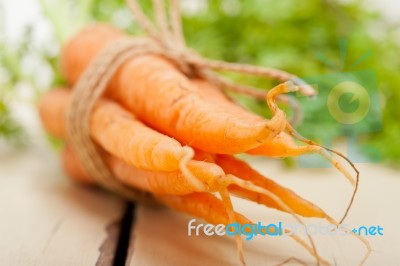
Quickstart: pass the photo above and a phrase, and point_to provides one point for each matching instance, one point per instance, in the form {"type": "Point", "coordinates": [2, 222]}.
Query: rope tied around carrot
{"type": "Point", "coordinates": [87, 92]}
{"type": "Point", "coordinates": [166, 42]}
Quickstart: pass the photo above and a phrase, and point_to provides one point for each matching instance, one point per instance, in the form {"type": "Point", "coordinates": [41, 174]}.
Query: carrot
{"type": "Point", "coordinates": [199, 204]}
{"type": "Point", "coordinates": [74, 168]}
{"type": "Point", "coordinates": [218, 97]}
{"type": "Point", "coordinates": [282, 145]}
{"type": "Point", "coordinates": [175, 183]}
{"type": "Point", "coordinates": [162, 97]}
{"type": "Point", "coordinates": [117, 131]}
{"type": "Point", "coordinates": [172, 183]}
{"type": "Point", "coordinates": [203, 205]}
{"type": "Point", "coordinates": [241, 169]}
{"type": "Point", "coordinates": [211, 209]}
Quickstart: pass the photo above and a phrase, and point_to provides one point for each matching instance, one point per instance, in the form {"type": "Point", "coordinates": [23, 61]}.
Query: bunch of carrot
{"type": "Point", "coordinates": [175, 137]}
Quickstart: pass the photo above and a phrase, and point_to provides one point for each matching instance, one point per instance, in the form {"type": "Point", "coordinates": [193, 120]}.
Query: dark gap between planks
{"type": "Point", "coordinates": [124, 235]}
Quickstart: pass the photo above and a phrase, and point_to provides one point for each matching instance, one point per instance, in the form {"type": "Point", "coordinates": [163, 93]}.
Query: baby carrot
{"type": "Point", "coordinates": [173, 183]}
{"type": "Point", "coordinates": [240, 169]}
{"type": "Point", "coordinates": [200, 204]}
{"type": "Point", "coordinates": [74, 168]}
{"type": "Point", "coordinates": [117, 131]}
{"type": "Point", "coordinates": [210, 174]}
{"type": "Point", "coordinates": [164, 98]}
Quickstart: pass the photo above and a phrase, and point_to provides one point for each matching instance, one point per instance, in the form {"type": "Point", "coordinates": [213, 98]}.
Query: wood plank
{"type": "Point", "coordinates": [160, 235]}
{"type": "Point", "coordinates": [47, 220]}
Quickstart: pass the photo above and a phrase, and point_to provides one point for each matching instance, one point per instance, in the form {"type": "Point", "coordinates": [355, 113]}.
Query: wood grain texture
{"type": "Point", "coordinates": [46, 219]}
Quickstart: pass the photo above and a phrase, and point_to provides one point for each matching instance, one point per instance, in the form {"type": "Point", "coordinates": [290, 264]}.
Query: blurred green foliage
{"type": "Point", "coordinates": [10, 130]}
{"type": "Point", "coordinates": [11, 58]}
{"type": "Point", "coordinates": [290, 35]}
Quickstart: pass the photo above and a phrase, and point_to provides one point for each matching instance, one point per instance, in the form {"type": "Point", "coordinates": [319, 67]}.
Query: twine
{"type": "Point", "coordinates": [86, 92]}
{"type": "Point", "coordinates": [166, 39]}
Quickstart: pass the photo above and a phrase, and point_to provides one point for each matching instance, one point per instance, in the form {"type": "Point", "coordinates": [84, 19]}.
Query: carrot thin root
{"type": "Point", "coordinates": [231, 215]}
{"type": "Point", "coordinates": [187, 156]}
{"type": "Point", "coordinates": [250, 186]}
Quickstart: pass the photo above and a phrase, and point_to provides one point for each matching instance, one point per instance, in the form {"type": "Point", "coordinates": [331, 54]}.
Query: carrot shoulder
{"type": "Point", "coordinates": [164, 98]}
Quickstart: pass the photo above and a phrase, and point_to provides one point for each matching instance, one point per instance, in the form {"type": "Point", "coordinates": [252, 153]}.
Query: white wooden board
{"type": "Point", "coordinates": [47, 220]}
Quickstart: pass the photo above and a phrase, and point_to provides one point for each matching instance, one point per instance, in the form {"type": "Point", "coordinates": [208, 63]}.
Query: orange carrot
{"type": "Point", "coordinates": [239, 168]}
{"type": "Point", "coordinates": [117, 131]}
{"type": "Point", "coordinates": [174, 183]}
{"type": "Point", "coordinates": [242, 170]}
{"type": "Point", "coordinates": [211, 209]}
{"type": "Point", "coordinates": [203, 205]}
{"type": "Point", "coordinates": [199, 204]}
{"type": "Point", "coordinates": [281, 145]}
{"type": "Point", "coordinates": [74, 168]}
{"type": "Point", "coordinates": [161, 96]}
{"type": "Point", "coordinates": [218, 97]}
